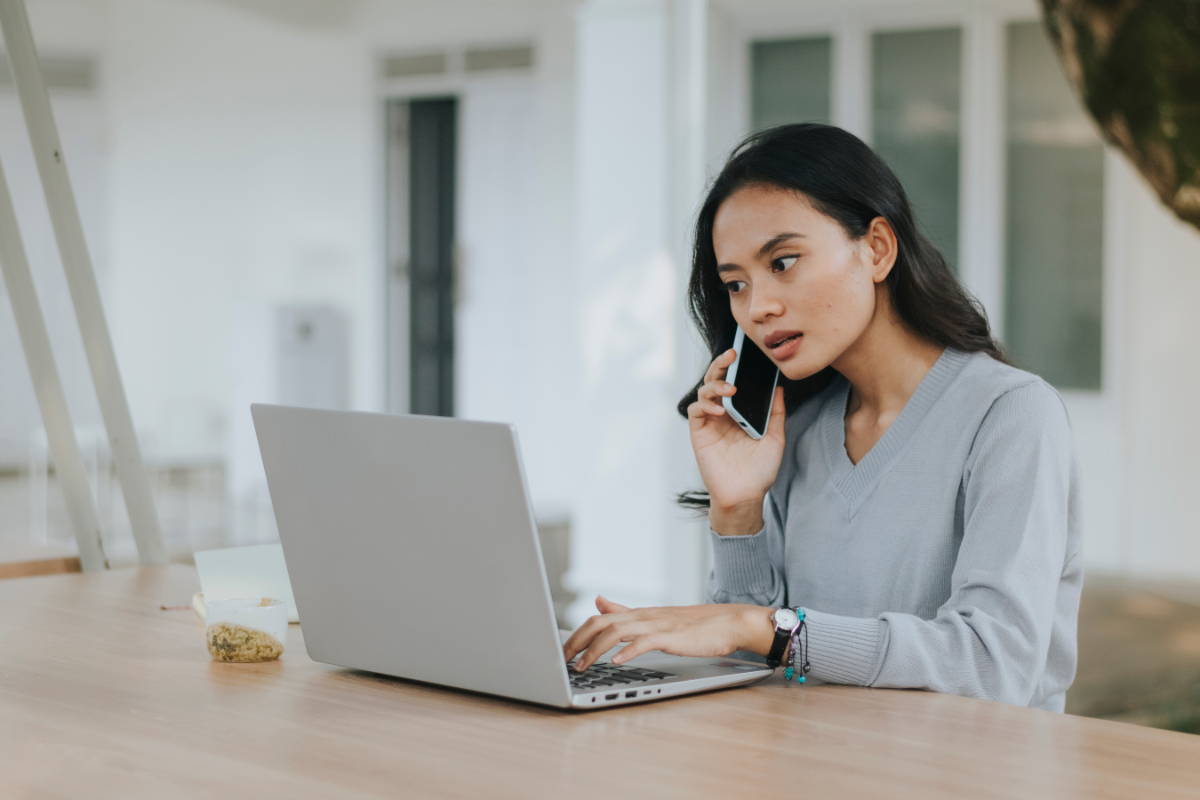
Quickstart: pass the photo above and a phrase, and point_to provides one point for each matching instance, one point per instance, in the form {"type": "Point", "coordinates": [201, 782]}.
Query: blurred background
{"type": "Point", "coordinates": [481, 208]}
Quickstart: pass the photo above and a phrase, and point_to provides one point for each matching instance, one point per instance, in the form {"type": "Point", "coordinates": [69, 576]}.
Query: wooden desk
{"type": "Point", "coordinates": [102, 694]}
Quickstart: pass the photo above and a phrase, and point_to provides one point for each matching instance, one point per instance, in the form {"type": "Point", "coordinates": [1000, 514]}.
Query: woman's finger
{"type": "Point", "coordinates": [606, 606]}
{"type": "Point", "coordinates": [609, 638]}
{"type": "Point", "coordinates": [716, 370]}
{"type": "Point", "coordinates": [699, 410]}
{"type": "Point", "coordinates": [585, 635]}
{"type": "Point", "coordinates": [604, 641]}
{"type": "Point", "coordinates": [778, 414]}
{"type": "Point", "coordinates": [715, 390]}
{"type": "Point", "coordinates": [641, 644]}
{"type": "Point", "coordinates": [578, 641]}
{"type": "Point", "coordinates": [710, 398]}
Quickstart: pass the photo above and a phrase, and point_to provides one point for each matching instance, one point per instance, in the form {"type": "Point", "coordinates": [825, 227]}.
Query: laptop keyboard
{"type": "Point", "coordinates": [600, 676]}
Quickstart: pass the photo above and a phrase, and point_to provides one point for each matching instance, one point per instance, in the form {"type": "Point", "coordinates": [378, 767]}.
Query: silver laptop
{"type": "Point", "coordinates": [412, 550]}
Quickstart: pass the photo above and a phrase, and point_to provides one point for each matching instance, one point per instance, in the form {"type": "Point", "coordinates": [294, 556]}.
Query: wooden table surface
{"type": "Point", "coordinates": [102, 694]}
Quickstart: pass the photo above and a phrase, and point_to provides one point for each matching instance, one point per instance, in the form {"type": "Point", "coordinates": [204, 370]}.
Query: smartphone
{"type": "Point", "coordinates": [755, 377]}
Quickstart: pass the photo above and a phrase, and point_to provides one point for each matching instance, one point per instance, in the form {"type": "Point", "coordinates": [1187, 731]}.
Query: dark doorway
{"type": "Point", "coordinates": [432, 142]}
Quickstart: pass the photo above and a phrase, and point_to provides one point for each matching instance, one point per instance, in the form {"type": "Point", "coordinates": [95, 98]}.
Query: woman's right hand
{"type": "Point", "coordinates": [737, 470]}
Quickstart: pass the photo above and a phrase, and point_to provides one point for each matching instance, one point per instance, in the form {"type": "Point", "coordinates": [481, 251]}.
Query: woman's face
{"type": "Point", "coordinates": [798, 285]}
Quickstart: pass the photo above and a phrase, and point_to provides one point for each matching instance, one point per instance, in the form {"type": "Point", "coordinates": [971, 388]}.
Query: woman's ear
{"type": "Point", "coordinates": [881, 240]}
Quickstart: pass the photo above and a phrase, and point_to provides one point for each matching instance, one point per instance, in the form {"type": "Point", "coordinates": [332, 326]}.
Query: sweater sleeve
{"type": "Point", "coordinates": [749, 569]}
{"type": "Point", "coordinates": [991, 637]}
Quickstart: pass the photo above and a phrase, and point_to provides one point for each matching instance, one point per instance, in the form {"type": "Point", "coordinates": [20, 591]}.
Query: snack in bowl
{"type": "Point", "coordinates": [246, 630]}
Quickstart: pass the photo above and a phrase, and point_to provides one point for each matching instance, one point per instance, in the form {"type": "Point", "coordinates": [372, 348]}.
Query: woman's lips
{"type": "Point", "coordinates": [786, 347]}
{"type": "Point", "coordinates": [781, 344]}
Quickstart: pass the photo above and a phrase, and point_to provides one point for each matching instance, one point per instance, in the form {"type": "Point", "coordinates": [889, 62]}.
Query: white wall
{"type": "Point", "coordinates": [1137, 438]}
{"type": "Point", "coordinates": [1159, 513]}
{"type": "Point", "coordinates": [241, 172]}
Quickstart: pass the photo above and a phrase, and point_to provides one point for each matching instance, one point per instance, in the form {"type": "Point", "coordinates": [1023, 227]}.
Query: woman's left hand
{"type": "Point", "coordinates": [707, 630]}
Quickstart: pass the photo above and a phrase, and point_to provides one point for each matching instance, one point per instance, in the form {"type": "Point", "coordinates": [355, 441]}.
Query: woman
{"type": "Point", "coordinates": [914, 495]}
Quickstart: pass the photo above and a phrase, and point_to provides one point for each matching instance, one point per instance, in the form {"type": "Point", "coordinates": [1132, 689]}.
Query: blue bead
{"type": "Point", "coordinates": [800, 679]}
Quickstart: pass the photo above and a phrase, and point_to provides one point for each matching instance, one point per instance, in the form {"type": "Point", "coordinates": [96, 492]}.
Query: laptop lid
{"type": "Point", "coordinates": [412, 549]}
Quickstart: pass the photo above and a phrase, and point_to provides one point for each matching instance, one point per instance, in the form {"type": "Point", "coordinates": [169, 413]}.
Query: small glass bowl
{"type": "Point", "coordinates": [246, 629]}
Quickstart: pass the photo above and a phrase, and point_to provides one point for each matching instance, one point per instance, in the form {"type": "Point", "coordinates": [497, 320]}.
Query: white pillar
{"type": "Point", "coordinates": [641, 96]}
{"type": "Point", "coordinates": [687, 541]}
{"type": "Point", "coordinates": [627, 291]}
{"type": "Point", "coordinates": [981, 170]}
{"type": "Point", "coordinates": [852, 78]}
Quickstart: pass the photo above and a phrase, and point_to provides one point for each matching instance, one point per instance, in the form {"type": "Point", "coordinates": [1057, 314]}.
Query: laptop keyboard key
{"type": "Point", "coordinates": [600, 676]}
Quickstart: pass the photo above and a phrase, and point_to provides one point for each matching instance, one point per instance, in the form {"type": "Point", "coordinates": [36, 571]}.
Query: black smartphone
{"type": "Point", "coordinates": [755, 377]}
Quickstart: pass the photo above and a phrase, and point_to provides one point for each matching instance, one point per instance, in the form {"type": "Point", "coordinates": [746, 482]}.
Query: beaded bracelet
{"type": "Point", "coordinates": [793, 646]}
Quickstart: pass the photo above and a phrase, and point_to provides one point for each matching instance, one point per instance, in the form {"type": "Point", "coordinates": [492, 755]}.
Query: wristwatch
{"type": "Point", "coordinates": [786, 621]}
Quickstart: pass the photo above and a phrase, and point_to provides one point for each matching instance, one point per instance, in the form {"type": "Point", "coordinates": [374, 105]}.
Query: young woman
{"type": "Point", "coordinates": [915, 496]}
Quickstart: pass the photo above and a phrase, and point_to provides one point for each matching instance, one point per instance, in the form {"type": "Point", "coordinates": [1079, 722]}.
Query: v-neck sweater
{"type": "Point", "coordinates": [948, 558]}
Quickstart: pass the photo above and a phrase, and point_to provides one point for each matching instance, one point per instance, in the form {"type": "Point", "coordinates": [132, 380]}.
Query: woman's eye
{"type": "Point", "coordinates": [780, 264]}
{"type": "Point", "coordinates": [735, 286]}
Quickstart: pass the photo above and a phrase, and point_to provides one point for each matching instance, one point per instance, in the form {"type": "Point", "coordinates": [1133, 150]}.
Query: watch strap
{"type": "Point", "coordinates": [779, 646]}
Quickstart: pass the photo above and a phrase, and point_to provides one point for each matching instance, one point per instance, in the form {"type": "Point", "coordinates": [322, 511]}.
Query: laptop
{"type": "Point", "coordinates": [413, 552]}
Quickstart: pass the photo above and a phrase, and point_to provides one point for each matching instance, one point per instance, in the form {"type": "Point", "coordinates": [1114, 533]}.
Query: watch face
{"type": "Point", "coordinates": [786, 619]}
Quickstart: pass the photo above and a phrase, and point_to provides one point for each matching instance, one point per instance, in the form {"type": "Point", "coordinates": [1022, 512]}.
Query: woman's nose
{"type": "Point", "coordinates": [764, 305]}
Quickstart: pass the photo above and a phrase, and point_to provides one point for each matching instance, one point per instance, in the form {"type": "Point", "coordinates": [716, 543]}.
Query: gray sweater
{"type": "Point", "coordinates": [947, 559]}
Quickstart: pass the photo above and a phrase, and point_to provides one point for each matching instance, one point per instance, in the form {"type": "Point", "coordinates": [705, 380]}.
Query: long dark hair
{"type": "Point", "coordinates": [844, 179]}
